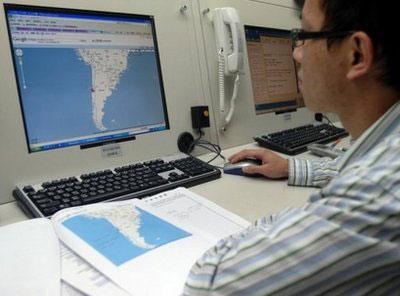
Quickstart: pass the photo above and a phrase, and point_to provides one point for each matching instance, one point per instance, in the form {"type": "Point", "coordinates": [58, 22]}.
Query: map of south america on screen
{"type": "Point", "coordinates": [84, 91]}
{"type": "Point", "coordinates": [84, 77]}
{"type": "Point", "coordinates": [107, 67]}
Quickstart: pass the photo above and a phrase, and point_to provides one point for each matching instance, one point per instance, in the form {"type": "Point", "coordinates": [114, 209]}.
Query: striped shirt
{"type": "Point", "coordinates": [312, 173]}
{"type": "Point", "coordinates": [344, 241]}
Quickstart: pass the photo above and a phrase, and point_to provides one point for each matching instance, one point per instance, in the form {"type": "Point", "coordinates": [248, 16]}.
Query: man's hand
{"type": "Point", "coordinates": [273, 166]}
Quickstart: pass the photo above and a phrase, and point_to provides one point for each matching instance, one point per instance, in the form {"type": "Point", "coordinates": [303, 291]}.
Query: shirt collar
{"type": "Point", "coordinates": [387, 124]}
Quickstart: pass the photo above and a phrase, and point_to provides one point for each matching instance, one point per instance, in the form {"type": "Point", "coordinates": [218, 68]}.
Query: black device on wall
{"type": "Point", "coordinates": [200, 117]}
{"type": "Point", "coordinates": [186, 141]}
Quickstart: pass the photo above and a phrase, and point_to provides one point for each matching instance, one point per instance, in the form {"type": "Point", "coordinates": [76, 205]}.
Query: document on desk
{"type": "Point", "coordinates": [77, 273]}
{"type": "Point", "coordinates": [30, 259]}
{"type": "Point", "coordinates": [140, 247]}
{"type": "Point", "coordinates": [190, 208]}
{"type": "Point", "coordinates": [133, 244]}
{"type": "Point", "coordinates": [67, 290]}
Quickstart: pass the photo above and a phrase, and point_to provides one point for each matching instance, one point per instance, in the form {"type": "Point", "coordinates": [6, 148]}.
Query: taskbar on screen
{"type": "Point", "coordinates": [107, 138]}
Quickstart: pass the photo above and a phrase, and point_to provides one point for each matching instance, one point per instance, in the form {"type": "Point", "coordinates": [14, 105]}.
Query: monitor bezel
{"type": "Point", "coordinates": [49, 9]}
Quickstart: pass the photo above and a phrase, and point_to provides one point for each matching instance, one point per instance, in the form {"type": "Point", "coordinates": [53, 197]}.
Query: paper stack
{"type": "Point", "coordinates": [134, 247]}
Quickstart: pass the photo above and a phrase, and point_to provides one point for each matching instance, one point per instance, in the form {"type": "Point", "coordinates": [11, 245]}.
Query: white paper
{"type": "Point", "coordinates": [192, 209]}
{"type": "Point", "coordinates": [30, 259]}
{"type": "Point", "coordinates": [80, 275]}
{"type": "Point", "coordinates": [160, 271]}
{"type": "Point", "coordinates": [67, 290]}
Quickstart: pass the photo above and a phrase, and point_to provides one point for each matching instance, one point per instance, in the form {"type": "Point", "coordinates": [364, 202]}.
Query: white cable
{"type": "Point", "coordinates": [233, 99]}
{"type": "Point", "coordinates": [221, 81]}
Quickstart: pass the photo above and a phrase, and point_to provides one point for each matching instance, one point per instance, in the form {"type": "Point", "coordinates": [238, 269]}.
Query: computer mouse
{"type": "Point", "coordinates": [236, 168]}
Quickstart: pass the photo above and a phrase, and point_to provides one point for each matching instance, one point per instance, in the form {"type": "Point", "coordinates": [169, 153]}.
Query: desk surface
{"type": "Point", "coordinates": [250, 198]}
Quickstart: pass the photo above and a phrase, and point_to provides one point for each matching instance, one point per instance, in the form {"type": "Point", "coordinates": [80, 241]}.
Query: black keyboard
{"type": "Point", "coordinates": [294, 141]}
{"type": "Point", "coordinates": [130, 181]}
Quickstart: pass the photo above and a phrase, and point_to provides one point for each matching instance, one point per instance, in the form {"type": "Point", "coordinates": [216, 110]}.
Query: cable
{"type": "Point", "coordinates": [225, 120]}
{"type": "Point", "coordinates": [326, 117]}
{"type": "Point", "coordinates": [233, 99]}
{"type": "Point", "coordinates": [320, 116]}
{"type": "Point", "coordinates": [214, 148]}
{"type": "Point", "coordinates": [194, 143]}
{"type": "Point", "coordinates": [221, 82]}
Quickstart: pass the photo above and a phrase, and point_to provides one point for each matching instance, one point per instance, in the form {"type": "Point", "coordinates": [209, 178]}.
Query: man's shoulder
{"type": "Point", "coordinates": [383, 156]}
{"type": "Point", "coordinates": [380, 166]}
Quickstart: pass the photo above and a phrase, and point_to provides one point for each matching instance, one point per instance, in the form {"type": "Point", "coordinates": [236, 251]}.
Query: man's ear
{"type": "Point", "coordinates": [361, 55]}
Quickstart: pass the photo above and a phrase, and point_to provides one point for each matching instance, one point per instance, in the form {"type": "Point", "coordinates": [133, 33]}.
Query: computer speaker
{"type": "Point", "coordinates": [185, 142]}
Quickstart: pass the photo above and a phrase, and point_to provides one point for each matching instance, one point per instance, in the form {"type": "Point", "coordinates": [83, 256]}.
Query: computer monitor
{"type": "Point", "coordinates": [273, 70]}
{"type": "Point", "coordinates": [85, 77]}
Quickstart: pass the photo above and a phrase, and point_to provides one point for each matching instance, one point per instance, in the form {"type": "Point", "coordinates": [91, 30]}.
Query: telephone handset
{"type": "Point", "coordinates": [230, 56]}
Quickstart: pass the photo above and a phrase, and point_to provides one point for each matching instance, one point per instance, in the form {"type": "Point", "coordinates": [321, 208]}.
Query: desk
{"type": "Point", "coordinates": [250, 198]}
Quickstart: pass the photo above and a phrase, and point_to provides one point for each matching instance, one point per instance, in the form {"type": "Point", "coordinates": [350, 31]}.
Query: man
{"type": "Point", "coordinates": [346, 239]}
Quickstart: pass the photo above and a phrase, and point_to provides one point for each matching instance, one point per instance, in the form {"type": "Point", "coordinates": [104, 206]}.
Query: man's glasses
{"type": "Point", "coordinates": [299, 36]}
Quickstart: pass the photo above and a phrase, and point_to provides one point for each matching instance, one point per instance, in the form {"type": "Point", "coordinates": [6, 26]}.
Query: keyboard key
{"type": "Point", "coordinates": [105, 196]}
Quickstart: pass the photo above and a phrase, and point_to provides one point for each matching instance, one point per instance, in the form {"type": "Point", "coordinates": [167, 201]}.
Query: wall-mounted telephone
{"type": "Point", "coordinates": [230, 56]}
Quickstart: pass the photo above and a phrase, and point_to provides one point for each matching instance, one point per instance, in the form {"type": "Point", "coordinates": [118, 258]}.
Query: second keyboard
{"type": "Point", "coordinates": [294, 141]}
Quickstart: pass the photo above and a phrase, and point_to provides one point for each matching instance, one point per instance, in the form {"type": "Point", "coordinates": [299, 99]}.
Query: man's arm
{"type": "Point", "coordinates": [313, 173]}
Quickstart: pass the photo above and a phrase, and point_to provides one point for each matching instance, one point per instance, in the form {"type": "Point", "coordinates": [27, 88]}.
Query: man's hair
{"type": "Point", "coordinates": [378, 19]}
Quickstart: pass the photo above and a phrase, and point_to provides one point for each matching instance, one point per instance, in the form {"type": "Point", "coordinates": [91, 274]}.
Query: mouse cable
{"type": "Point", "coordinates": [214, 148]}
{"type": "Point", "coordinates": [326, 117]}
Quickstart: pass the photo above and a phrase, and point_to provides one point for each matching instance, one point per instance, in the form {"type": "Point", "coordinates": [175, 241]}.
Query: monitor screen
{"type": "Point", "coordinates": [85, 77]}
{"type": "Point", "coordinates": [272, 69]}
